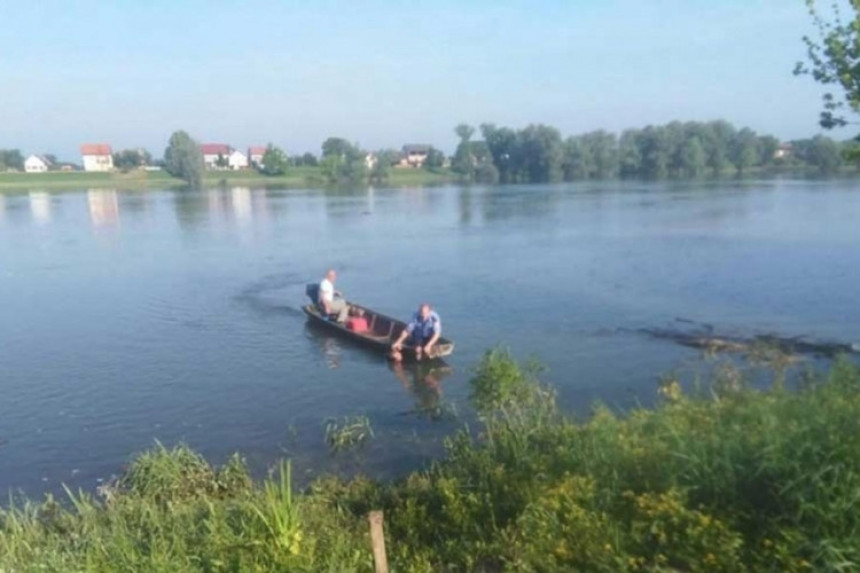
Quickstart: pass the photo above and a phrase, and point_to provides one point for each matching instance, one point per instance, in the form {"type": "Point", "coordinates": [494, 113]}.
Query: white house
{"type": "Point", "coordinates": [255, 155]}
{"type": "Point", "coordinates": [36, 164]}
{"type": "Point", "coordinates": [414, 155]}
{"type": "Point", "coordinates": [97, 157]}
{"type": "Point", "coordinates": [213, 153]}
{"type": "Point", "coordinates": [237, 160]}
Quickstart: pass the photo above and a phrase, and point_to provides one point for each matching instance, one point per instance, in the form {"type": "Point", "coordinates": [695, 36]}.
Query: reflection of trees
{"type": "Point", "coordinates": [464, 198]}
{"type": "Point", "coordinates": [191, 208]}
{"type": "Point", "coordinates": [135, 201]}
{"type": "Point", "coordinates": [509, 204]}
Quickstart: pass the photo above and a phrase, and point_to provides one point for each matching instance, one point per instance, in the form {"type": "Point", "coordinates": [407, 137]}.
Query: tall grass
{"type": "Point", "coordinates": [731, 480]}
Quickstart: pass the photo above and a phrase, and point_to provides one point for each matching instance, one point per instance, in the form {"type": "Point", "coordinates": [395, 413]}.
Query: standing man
{"type": "Point", "coordinates": [423, 331]}
{"type": "Point", "coordinates": [332, 301]}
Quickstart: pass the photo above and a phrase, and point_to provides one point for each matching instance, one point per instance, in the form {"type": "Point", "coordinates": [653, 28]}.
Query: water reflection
{"type": "Point", "coordinates": [104, 207]}
{"type": "Point", "coordinates": [40, 207]}
{"type": "Point", "coordinates": [241, 205]}
{"type": "Point", "coordinates": [2, 207]}
{"type": "Point", "coordinates": [499, 205]}
{"type": "Point", "coordinates": [424, 382]}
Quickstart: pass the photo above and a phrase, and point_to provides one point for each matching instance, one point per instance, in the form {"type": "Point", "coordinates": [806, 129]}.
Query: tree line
{"type": "Point", "coordinates": [539, 153]}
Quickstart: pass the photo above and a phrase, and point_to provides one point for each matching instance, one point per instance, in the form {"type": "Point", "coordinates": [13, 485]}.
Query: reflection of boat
{"type": "Point", "coordinates": [381, 333]}
{"type": "Point", "coordinates": [424, 382]}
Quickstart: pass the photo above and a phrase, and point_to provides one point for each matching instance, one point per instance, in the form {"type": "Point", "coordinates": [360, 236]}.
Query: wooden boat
{"type": "Point", "coordinates": [381, 333]}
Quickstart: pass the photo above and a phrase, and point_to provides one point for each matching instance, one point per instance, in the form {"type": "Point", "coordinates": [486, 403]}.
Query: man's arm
{"type": "Point", "coordinates": [429, 346]}
{"type": "Point", "coordinates": [398, 344]}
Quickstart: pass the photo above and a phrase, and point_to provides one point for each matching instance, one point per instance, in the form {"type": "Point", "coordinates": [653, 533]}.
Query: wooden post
{"type": "Point", "coordinates": [377, 540]}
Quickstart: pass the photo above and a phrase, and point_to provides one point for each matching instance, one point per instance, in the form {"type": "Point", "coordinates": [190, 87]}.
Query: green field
{"type": "Point", "coordinates": [729, 479]}
{"type": "Point", "coordinates": [296, 177]}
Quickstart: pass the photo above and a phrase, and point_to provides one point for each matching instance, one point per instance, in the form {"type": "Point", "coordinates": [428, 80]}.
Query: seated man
{"type": "Point", "coordinates": [331, 301]}
{"type": "Point", "coordinates": [423, 331]}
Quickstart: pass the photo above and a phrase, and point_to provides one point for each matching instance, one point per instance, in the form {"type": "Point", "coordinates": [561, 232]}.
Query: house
{"type": "Point", "coordinates": [36, 164]}
{"type": "Point", "coordinates": [370, 160]}
{"type": "Point", "coordinates": [215, 155]}
{"type": "Point", "coordinates": [783, 151]}
{"type": "Point", "coordinates": [97, 157]}
{"type": "Point", "coordinates": [255, 155]}
{"type": "Point", "coordinates": [414, 155]}
{"type": "Point", "coordinates": [237, 160]}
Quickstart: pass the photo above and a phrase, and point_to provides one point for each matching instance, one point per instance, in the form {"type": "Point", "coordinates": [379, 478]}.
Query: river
{"type": "Point", "coordinates": [135, 316]}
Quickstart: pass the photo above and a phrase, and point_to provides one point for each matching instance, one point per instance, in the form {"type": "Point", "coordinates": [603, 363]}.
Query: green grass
{"type": "Point", "coordinates": [728, 479]}
{"type": "Point", "coordinates": [294, 178]}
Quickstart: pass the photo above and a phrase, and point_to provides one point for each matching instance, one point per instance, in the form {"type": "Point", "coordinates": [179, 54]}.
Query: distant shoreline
{"type": "Point", "coordinates": [296, 177]}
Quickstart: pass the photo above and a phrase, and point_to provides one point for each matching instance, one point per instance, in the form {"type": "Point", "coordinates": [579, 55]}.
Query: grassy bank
{"type": "Point", "coordinates": [733, 480]}
{"type": "Point", "coordinates": [296, 177]}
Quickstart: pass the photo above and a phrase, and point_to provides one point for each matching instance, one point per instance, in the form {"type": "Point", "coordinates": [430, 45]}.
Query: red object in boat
{"type": "Point", "coordinates": [357, 324]}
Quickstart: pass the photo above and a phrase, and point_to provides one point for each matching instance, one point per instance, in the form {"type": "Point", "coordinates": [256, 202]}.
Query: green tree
{"type": "Point", "coordinates": [743, 150]}
{"type": "Point", "coordinates": [834, 60]}
{"type": "Point", "coordinates": [578, 161]}
{"type": "Point", "coordinates": [540, 148]}
{"type": "Point", "coordinates": [503, 146]}
{"type": "Point", "coordinates": [603, 147]}
{"type": "Point", "coordinates": [129, 159]}
{"type": "Point", "coordinates": [718, 136]}
{"type": "Point", "coordinates": [824, 154]}
{"type": "Point", "coordinates": [767, 147]}
{"type": "Point", "coordinates": [338, 146]}
{"type": "Point", "coordinates": [630, 153]}
{"type": "Point", "coordinates": [435, 159]}
{"type": "Point", "coordinates": [464, 162]}
{"type": "Point", "coordinates": [693, 158]}
{"type": "Point", "coordinates": [309, 159]}
{"type": "Point", "coordinates": [183, 159]}
{"type": "Point", "coordinates": [275, 161]}
{"type": "Point", "coordinates": [11, 159]}
{"type": "Point", "coordinates": [656, 152]}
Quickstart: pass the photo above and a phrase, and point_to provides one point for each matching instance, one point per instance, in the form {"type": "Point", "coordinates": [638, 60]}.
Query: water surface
{"type": "Point", "coordinates": [131, 316]}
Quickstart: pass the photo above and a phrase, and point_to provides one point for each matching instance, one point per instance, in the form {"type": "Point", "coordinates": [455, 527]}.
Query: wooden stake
{"type": "Point", "coordinates": [377, 540]}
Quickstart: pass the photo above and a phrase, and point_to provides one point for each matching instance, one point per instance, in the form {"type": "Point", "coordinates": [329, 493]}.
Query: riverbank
{"type": "Point", "coordinates": [296, 177]}
{"type": "Point", "coordinates": [732, 480]}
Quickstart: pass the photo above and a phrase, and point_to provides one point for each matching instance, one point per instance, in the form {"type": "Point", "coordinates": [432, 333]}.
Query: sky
{"type": "Point", "coordinates": [388, 73]}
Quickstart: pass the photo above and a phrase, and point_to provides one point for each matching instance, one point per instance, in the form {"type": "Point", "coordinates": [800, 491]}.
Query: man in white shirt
{"type": "Point", "coordinates": [331, 301]}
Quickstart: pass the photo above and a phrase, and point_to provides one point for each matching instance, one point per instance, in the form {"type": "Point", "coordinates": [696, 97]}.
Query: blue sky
{"type": "Point", "coordinates": [388, 73]}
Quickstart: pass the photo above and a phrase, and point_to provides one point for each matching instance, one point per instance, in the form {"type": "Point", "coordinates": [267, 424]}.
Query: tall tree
{"type": "Point", "coordinates": [630, 153]}
{"type": "Point", "coordinates": [309, 159]}
{"type": "Point", "coordinates": [464, 162]}
{"type": "Point", "coordinates": [275, 161]}
{"type": "Point", "coordinates": [824, 154]}
{"type": "Point", "coordinates": [693, 158]}
{"type": "Point", "coordinates": [502, 143]}
{"type": "Point", "coordinates": [768, 145]}
{"type": "Point", "coordinates": [541, 151]}
{"type": "Point", "coordinates": [834, 60]}
{"type": "Point", "coordinates": [435, 159]}
{"type": "Point", "coordinates": [578, 161]}
{"type": "Point", "coordinates": [743, 150]}
{"type": "Point", "coordinates": [183, 159]}
{"type": "Point", "coordinates": [603, 147]}
{"type": "Point", "coordinates": [11, 159]}
{"type": "Point", "coordinates": [338, 146]}
{"type": "Point", "coordinates": [718, 136]}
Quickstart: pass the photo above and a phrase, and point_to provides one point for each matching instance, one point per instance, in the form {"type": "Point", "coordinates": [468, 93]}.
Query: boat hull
{"type": "Point", "coordinates": [381, 334]}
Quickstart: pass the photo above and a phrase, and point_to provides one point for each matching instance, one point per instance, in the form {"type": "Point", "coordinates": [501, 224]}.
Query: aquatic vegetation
{"type": "Point", "coordinates": [736, 479]}
{"type": "Point", "coordinates": [348, 432]}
